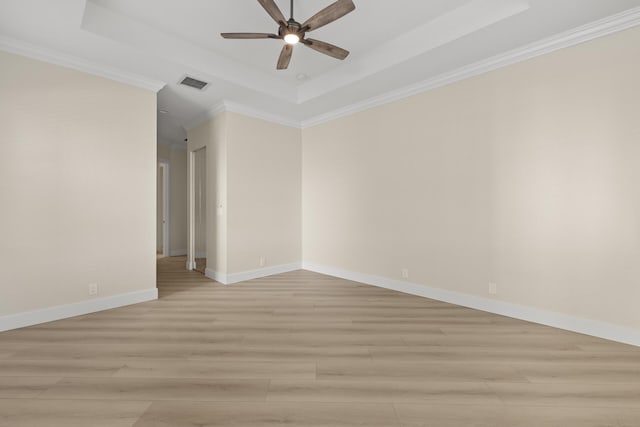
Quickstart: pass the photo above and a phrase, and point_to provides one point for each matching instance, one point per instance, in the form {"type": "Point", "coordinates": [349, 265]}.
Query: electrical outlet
{"type": "Point", "coordinates": [405, 273]}
{"type": "Point", "coordinates": [93, 289]}
{"type": "Point", "coordinates": [263, 261]}
{"type": "Point", "coordinates": [493, 288]}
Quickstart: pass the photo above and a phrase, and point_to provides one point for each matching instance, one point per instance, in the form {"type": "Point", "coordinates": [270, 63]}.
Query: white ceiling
{"type": "Point", "coordinates": [396, 46]}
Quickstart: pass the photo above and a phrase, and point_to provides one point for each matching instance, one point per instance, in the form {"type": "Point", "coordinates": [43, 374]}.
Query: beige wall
{"type": "Point", "coordinates": [264, 194]}
{"type": "Point", "coordinates": [77, 186]}
{"type": "Point", "coordinates": [528, 177]}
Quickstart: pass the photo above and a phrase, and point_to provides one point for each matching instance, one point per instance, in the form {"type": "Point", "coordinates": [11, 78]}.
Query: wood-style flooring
{"type": "Point", "coordinates": [303, 349]}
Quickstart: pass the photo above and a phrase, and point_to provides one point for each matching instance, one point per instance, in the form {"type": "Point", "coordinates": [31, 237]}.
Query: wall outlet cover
{"type": "Point", "coordinates": [493, 289]}
{"type": "Point", "coordinates": [93, 289]}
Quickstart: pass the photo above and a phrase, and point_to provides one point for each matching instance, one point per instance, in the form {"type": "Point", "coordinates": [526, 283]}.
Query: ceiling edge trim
{"type": "Point", "coordinates": [68, 61]}
{"type": "Point", "coordinates": [245, 110]}
{"type": "Point", "coordinates": [612, 24]}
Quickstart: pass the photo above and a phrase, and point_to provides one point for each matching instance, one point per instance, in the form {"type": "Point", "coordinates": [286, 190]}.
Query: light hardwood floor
{"type": "Point", "coordinates": [302, 349]}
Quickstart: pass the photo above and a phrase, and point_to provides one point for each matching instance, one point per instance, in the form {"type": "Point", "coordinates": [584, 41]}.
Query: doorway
{"type": "Point", "coordinates": [162, 211]}
{"type": "Point", "coordinates": [200, 209]}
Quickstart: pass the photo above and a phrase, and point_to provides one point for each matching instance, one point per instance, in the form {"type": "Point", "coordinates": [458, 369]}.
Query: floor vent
{"type": "Point", "coordinates": [193, 82]}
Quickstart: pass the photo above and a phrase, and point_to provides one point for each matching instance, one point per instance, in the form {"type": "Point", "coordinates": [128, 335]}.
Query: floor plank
{"type": "Point", "coordinates": [273, 353]}
{"type": "Point", "coordinates": [69, 413]}
{"type": "Point", "coordinates": [514, 356]}
{"type": "Point", "coordinates": [417, 371]}
{"type": "Point", "coordinates": [197, 414]}
{"type": "Point", "coordinates": [59, 368]}
{"type": "Point", "coordinates": [222, 390]}
{"type": "Point", "coordinates": [381, 391]}
{"type": "Point", "coordinates": [593, 373]}
{"type": "Point", "coordinates": [414, 415]}
{"type": "Point", "coordinates": [219, 369]}
{"type": "Point", "coordinates": [576, 394]}
{"type": "Point", "coordinates": [25, 387]}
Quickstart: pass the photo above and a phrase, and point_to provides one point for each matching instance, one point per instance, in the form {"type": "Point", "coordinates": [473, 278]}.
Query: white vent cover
{"type": "Point", "coordinates": [193, 82]}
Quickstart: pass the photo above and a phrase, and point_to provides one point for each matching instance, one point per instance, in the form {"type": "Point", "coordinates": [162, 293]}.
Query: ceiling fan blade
{"type": "Point", "coordinates": [285, 57]}
{"type": "Point", "coordinates": [329, 14]}
{"type": "Point", "coordinates": [326, 48]}
{"type": "Point", "coordinates": [274, 11]}
{"type": "Point", "coordinates": [249, 36]}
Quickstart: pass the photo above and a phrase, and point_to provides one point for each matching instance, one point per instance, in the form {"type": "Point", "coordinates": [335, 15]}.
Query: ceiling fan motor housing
{"type": "Point", "coordinates": [293, 27]}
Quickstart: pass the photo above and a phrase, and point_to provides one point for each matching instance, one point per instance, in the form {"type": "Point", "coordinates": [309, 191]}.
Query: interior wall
{"type": "Point", "coordinates": [527, 177]}
{"type": "Point", "coordinates": [77, 186]}
{"type": "Point", "coordinates": [264, 194]}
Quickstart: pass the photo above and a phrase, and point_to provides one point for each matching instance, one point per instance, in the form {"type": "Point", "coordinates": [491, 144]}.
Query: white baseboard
{"type": "Point", "coordinates": [214, 275]}
{"type": "Point", "coordinates": [29, 318]}
{"type": "Point", "coordinates": [178, 252]}
{"type": "Point", "coordinates": [262, 272]}
{"type": "Point", "coordinates": [557, 320]}
{"type": "Point", "coordinates": [228, 279]}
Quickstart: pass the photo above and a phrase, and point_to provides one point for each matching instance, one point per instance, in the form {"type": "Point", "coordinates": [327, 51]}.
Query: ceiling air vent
{"type": "Point", "coordinates": [193, 82]}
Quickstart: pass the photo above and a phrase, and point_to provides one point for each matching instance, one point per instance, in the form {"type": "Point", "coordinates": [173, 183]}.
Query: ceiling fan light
{"type": "Point", "coordinates": [291, 38]}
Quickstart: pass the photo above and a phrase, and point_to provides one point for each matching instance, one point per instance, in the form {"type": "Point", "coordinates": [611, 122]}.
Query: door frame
{"type": "Point", "coordinates": [191, 182]}
{"type": "Point", "coordinates": [164, 165]}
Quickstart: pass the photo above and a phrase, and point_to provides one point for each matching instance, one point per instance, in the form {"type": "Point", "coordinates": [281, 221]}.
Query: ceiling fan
{"type": "Point", "coordinates": [293, 32]}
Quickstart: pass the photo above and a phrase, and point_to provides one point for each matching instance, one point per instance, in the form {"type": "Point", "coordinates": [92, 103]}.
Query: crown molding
{"type": "Point", "coordinates": [234, 107]}
{"type": "Point", "coordinates": [604, 27]}
{"type": "Point", "coordinates": [58, 58]}
{"type": "Point", "coordinates": [245, 110]}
